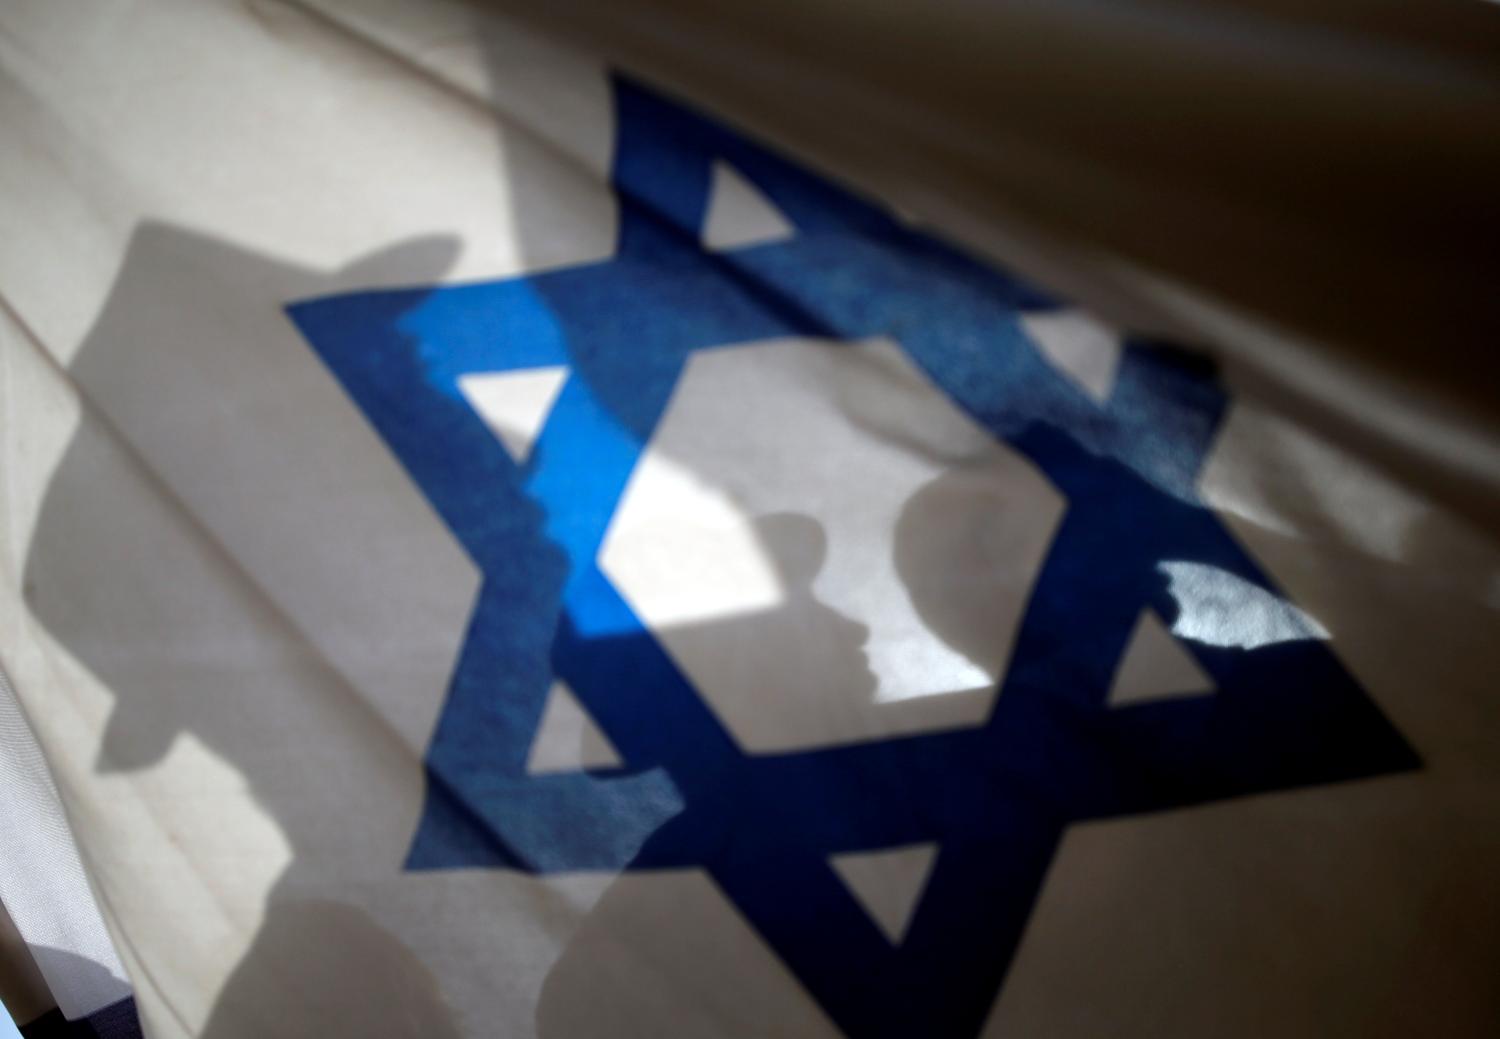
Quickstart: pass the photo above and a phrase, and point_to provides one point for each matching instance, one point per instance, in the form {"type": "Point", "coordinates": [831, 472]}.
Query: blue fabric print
{"type": "Point", "coordinates": [995, 798]}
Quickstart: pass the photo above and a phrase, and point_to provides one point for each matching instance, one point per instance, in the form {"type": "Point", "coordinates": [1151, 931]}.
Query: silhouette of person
{"type": "Point", "coordinates": [646, 941]}
{"type": "Point", "coordinates": [187, 644]}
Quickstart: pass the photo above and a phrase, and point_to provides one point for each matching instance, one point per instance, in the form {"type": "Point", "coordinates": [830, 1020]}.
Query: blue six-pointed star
{"type": "Point", "coordinates": [994, 798]}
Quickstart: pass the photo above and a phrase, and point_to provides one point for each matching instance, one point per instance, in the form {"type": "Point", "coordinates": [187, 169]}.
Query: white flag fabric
{"type": "Point", "coordinates": [491, 549]}
{"type": "Point", "coordinates": [42, 884]}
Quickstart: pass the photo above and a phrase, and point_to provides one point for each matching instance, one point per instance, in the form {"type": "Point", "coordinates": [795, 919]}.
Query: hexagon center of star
{"type": "Point", "coordinates": [826, 546]}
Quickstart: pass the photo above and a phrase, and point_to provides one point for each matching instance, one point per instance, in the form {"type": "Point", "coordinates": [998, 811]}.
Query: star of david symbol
{"type": "Point", "coordinates": [994, 798]}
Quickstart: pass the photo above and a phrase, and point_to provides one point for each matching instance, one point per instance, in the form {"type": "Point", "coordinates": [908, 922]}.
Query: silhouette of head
{"type": "Point", "coordinates": [968, 546]}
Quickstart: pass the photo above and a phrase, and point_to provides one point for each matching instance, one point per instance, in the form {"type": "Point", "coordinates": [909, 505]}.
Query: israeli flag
{"type": "Point", "coordinates": [493, 549]}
